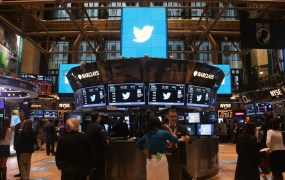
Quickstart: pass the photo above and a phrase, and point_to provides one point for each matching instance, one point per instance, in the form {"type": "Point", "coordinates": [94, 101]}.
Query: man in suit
{"type": "Point", "coordinates": [73, 154]}
{"type": "Point", "coordinates": [18, 128]}
{"type": "Point", "coordinates": [50, 134]}
{"type": "Point", "coordinates": [175, 153]}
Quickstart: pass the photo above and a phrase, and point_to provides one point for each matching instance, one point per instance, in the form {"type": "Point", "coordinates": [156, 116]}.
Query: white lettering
{"type": "Point", "coordinates": [225, 106]}
{"type": "Point", "coordinates": [88, 75]}
{"type": "Point", "coordinates": [203, 75]}
{"type": "Point", "coordinates": [276, 92]}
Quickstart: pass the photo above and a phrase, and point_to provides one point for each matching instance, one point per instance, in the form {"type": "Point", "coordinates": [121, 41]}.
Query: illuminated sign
{"type": "Point", "coordinates": [226, 85]}
{"type": "Point", "coordinates": [225, 106]}
{"type": "Point", "coordinates": [88, 75]}
{"type": "Point", "coordinates": [203, 75]}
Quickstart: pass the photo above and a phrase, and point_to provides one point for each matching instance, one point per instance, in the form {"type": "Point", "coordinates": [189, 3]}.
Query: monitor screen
{"type": "Point", "coordinates": [77, 115]}
{"type": "Point", "coordinates": [126, 94]}
{"type": "Point", "coordinates": [93, 96]}
{"type": "Point", "coordinates": [63, 83]}
{"type": "Point", "coordinates": [191, 128]}
{"type": "Point", "coordinates": [212, 117]}
{"type": "Point", "coordinates": [37, 113]}
{"type": "Point", "coordinates": [2, 104]}
{"type": "Point", "coordinates": [15, 119]}
{"type": "Point", "coordinates": [166, 94]}
{"type": "Point", "coordinates": [144, 31]}
{"type": "Point", "coordinates": [50, 113]}
{"type": "Point", "coordinates": [198, 96]}
{"type": "Point", "coordinates": [261, 108]}
{"type": "Point", "coordinates": [205, 129]}
{"type": "Point", "coordinates": [250, 109]}
{"type": "Point", "coordinates": [193, 117]}
{"type": "Point", "coordinates": [226, 85]}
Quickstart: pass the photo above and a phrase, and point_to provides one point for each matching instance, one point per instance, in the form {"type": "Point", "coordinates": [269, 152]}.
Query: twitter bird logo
{"type": "Point", "coordinates": [199, 97]}
{"type": "Point", "coordinates": [166, 96]}
{"type": "Point", "coordinates": [142, 35]}
{"type": "Point", "coordinates": [93, 97]}
{"type": "Point", "coordinates": [126, 96]}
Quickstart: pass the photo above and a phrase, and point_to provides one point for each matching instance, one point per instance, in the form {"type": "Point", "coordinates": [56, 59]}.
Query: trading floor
{"type": "Point", "coordinates": [43, 167]}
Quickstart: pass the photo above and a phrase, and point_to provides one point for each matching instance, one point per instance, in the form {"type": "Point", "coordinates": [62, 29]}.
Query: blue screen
{"type": "Point", "coordinates": [63, 83]}
{"type": "Point", "coordinates": [15, 119]}
{"type": "Point", "coordinates": [144, 31]}
{"type": "Point", "coordinates": [226, 85]}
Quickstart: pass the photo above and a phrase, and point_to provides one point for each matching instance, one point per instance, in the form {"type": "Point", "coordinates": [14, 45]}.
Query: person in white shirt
{"type": "Point", "coordinates": [274, 141]}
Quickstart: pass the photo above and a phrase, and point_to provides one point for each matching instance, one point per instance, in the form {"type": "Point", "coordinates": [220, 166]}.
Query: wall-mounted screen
{"type": "Point", "coordinates": [250, 109]}
{"type": "Point", "coordinates": [205, 129]}
{"type": "Point", "coordinates": [37, 113]}
{"type": "Point", "coordinates": [15, 119]}
{"type": "Point", "coordinates": [191, 128]}
{"type": "Point", "coordinates": [226, 85]}
{"type": "Point", "coordinates": [126, 94]}
{"type": "Point", "coordinates": [63, 83]}
{"type": "Point", "coordinates": [144, 31]}
{"type": "Point", "coordinates": [50, 113]}
{"type": "Point", "coordinates": [166, 94]}
{"type": "Point", "coordinates": [198, 96]}
{"type": "Point", "coordinates": [94, 96]}
{"type": "Point", "coordinates": [261, 108]}
{"type": "Point", "coordinates": [193, 117]}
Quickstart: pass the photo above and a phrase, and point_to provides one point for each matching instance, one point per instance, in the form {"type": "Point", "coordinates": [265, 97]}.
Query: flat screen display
{"type": "Point", "coordinates": [50, 113]}
{"type": "Point", "coordinates": [198, 96]}
{"type": "Point", "coordinates": [144, 31]}
{"type": "Point", "coordinates": [193, 117]}
{"type": "Point", "coordinates": [77, 115]}
{"type": "Point", "coordinates": [212, 117]}
{"type": "Point", "coordinates": [94, 96]}
{"type": "Point", "coordinates": [166, 94]}
{"type": "Point", "coordinates": [191, 128]}
{"type": "Point", "coordinates": [2, 104]}
{"type": "Point", "coordinates": [126, 94]}
{"type": "Point", "coordinates": [205, 129]}
{"type": "Point", "coordinates": [63, 83]}
{"type": "Point", "coordinates": [261, 108]}
{"type": "Point", "coordinates": [37, 113]}
{"type": "Point", "coordinates": [226, 85]}
{"type": "Point", "coordinates": [249, 109]}
{"type": "Point", "coordinates": [15, 119]}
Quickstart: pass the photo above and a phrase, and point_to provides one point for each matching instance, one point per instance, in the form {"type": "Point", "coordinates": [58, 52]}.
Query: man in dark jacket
{"type": "Point", "coordinates": [99, 140]}
{"type": "Point", "coordinates": [50, 134]}
{"type": "Point", "coordinates": [73, 154]}
{"type": "Point", "coordinates": [27, 142]}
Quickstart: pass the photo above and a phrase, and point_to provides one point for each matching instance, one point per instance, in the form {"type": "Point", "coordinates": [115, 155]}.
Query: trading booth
{"type": "Point", "coordinates": [138, 87]}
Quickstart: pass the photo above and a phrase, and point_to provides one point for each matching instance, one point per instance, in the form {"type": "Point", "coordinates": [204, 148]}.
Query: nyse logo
{"type": "Point", "coordinates": [203, 75]}
{"type": "Point", "coordinates": [225, 106]}
{"type": "Point", "coordinates": [275, 92]}
{"type": "Point", "coordinates": [144, 34]}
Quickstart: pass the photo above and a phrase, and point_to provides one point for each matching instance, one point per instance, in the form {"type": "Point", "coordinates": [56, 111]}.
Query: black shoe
{"type": "Point", "coordinates": [17, 175]}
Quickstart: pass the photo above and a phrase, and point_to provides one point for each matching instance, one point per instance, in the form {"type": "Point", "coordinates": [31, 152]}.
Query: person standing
{"type": "Point", "coordinates": [18, 129]}
{"type": "Point", "coordinates": [153, 144]}
{"type": "Point", "coordinates": [99, 139]}
{"type": "Point", "coordinates": [5, 140]}
{"type": "Point", "coordinates": [27, 142]}
{"type": "Point", "coordinates": [50, 134]}
{"type": "Point", "coordinates": [73, 153]}
{"type": "Point", "coordinates": [176, 153]}
{"type": "Point", "coordinates": [248, 154]}
{"type": "Point", "coordinates": [274, 142]}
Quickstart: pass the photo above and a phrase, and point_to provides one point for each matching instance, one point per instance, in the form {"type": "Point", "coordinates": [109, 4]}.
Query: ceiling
{"type": "Point", "coordinates": [27, 18]}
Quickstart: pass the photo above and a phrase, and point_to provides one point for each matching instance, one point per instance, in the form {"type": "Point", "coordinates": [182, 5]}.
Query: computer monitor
{"type": "Point", "coordinates": [193, 117]}
{"type": "Point", "coordinates": [250, 109]}
{"type": "Point", "coordinates": [205, 129]}
{"type": "Point", "coordinates": [127, 94]}
{"type": "Point", "coordinates": [166, 94]}
{"type": "Point", "coordinates": [191, 128]}
{"type": "Point", "coordinates": [93, 96]}
{"type": "Point", "coordinates": [36, 113]}
{"type": "Point", "coordinates": [198, 96]}
{"type": "Point", "coordinates": [50, 114]}
{"type": "Point", "coordinates": [261, 108]}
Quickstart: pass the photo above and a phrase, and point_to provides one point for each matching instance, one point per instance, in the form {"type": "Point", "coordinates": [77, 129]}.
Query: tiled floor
{"type": "Point", "coordinates": [43, 167]}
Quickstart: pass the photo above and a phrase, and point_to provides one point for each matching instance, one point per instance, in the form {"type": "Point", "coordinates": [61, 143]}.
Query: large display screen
{"type": "Point", "coordinates": [226, 85]}
{"type": "Point", "coordinates": [94, 96]}
{"type": "Point", "coordinates": [37, 113]}
{"type": "Point", "coordinates": [198, 96]}
{"type": "Point", "coordinates": [166, 94]}
{"type": "Point", "coordinates": [191, 128]}
{"type": "Point", "coordinates": [261, 108]}
{"type": "Point", "coordinates": [50, 113]}
{"type": "Point", "coordinates": [250, 109]}
{"type": "Point", "coordinates": [193, 117]}
{"type": "Point", "coordinates": [63, 83]}
{"type": "Point", "coordinates": [144, 31]}
{"type": "Point", "coordinates": [126, 94]}
{"type": "Point", "coordinates": [205, 129]}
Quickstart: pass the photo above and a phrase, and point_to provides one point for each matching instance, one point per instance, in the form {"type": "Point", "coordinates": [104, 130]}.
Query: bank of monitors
{"type": "Point", "coordinates": [37, 113]}
{"type": "Point", "coordinates": [191, 128]}
{"type": "Point", "coordinates": [205, 129]}
{"type": "Point", "coordinates": [250, 109]}
{"type": "Point", "coordinates": [93, 96]}
{"type": "Point", "coordinates": [126, 94]}
{"type": "Point", "coordinates": [166, 94]}
{"type": "Point", "coordinates": [50, 113]}
{"type": "Point", "coordinates": [193, 117]}
{"type": "Point", "coordinates": [261, 108]}
{"type": "Point", "coordinates": [198, 96]}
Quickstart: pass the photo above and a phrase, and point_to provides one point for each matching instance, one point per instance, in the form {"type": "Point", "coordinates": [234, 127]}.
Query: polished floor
{"type": "Point", "coordinates": [43, 166]}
